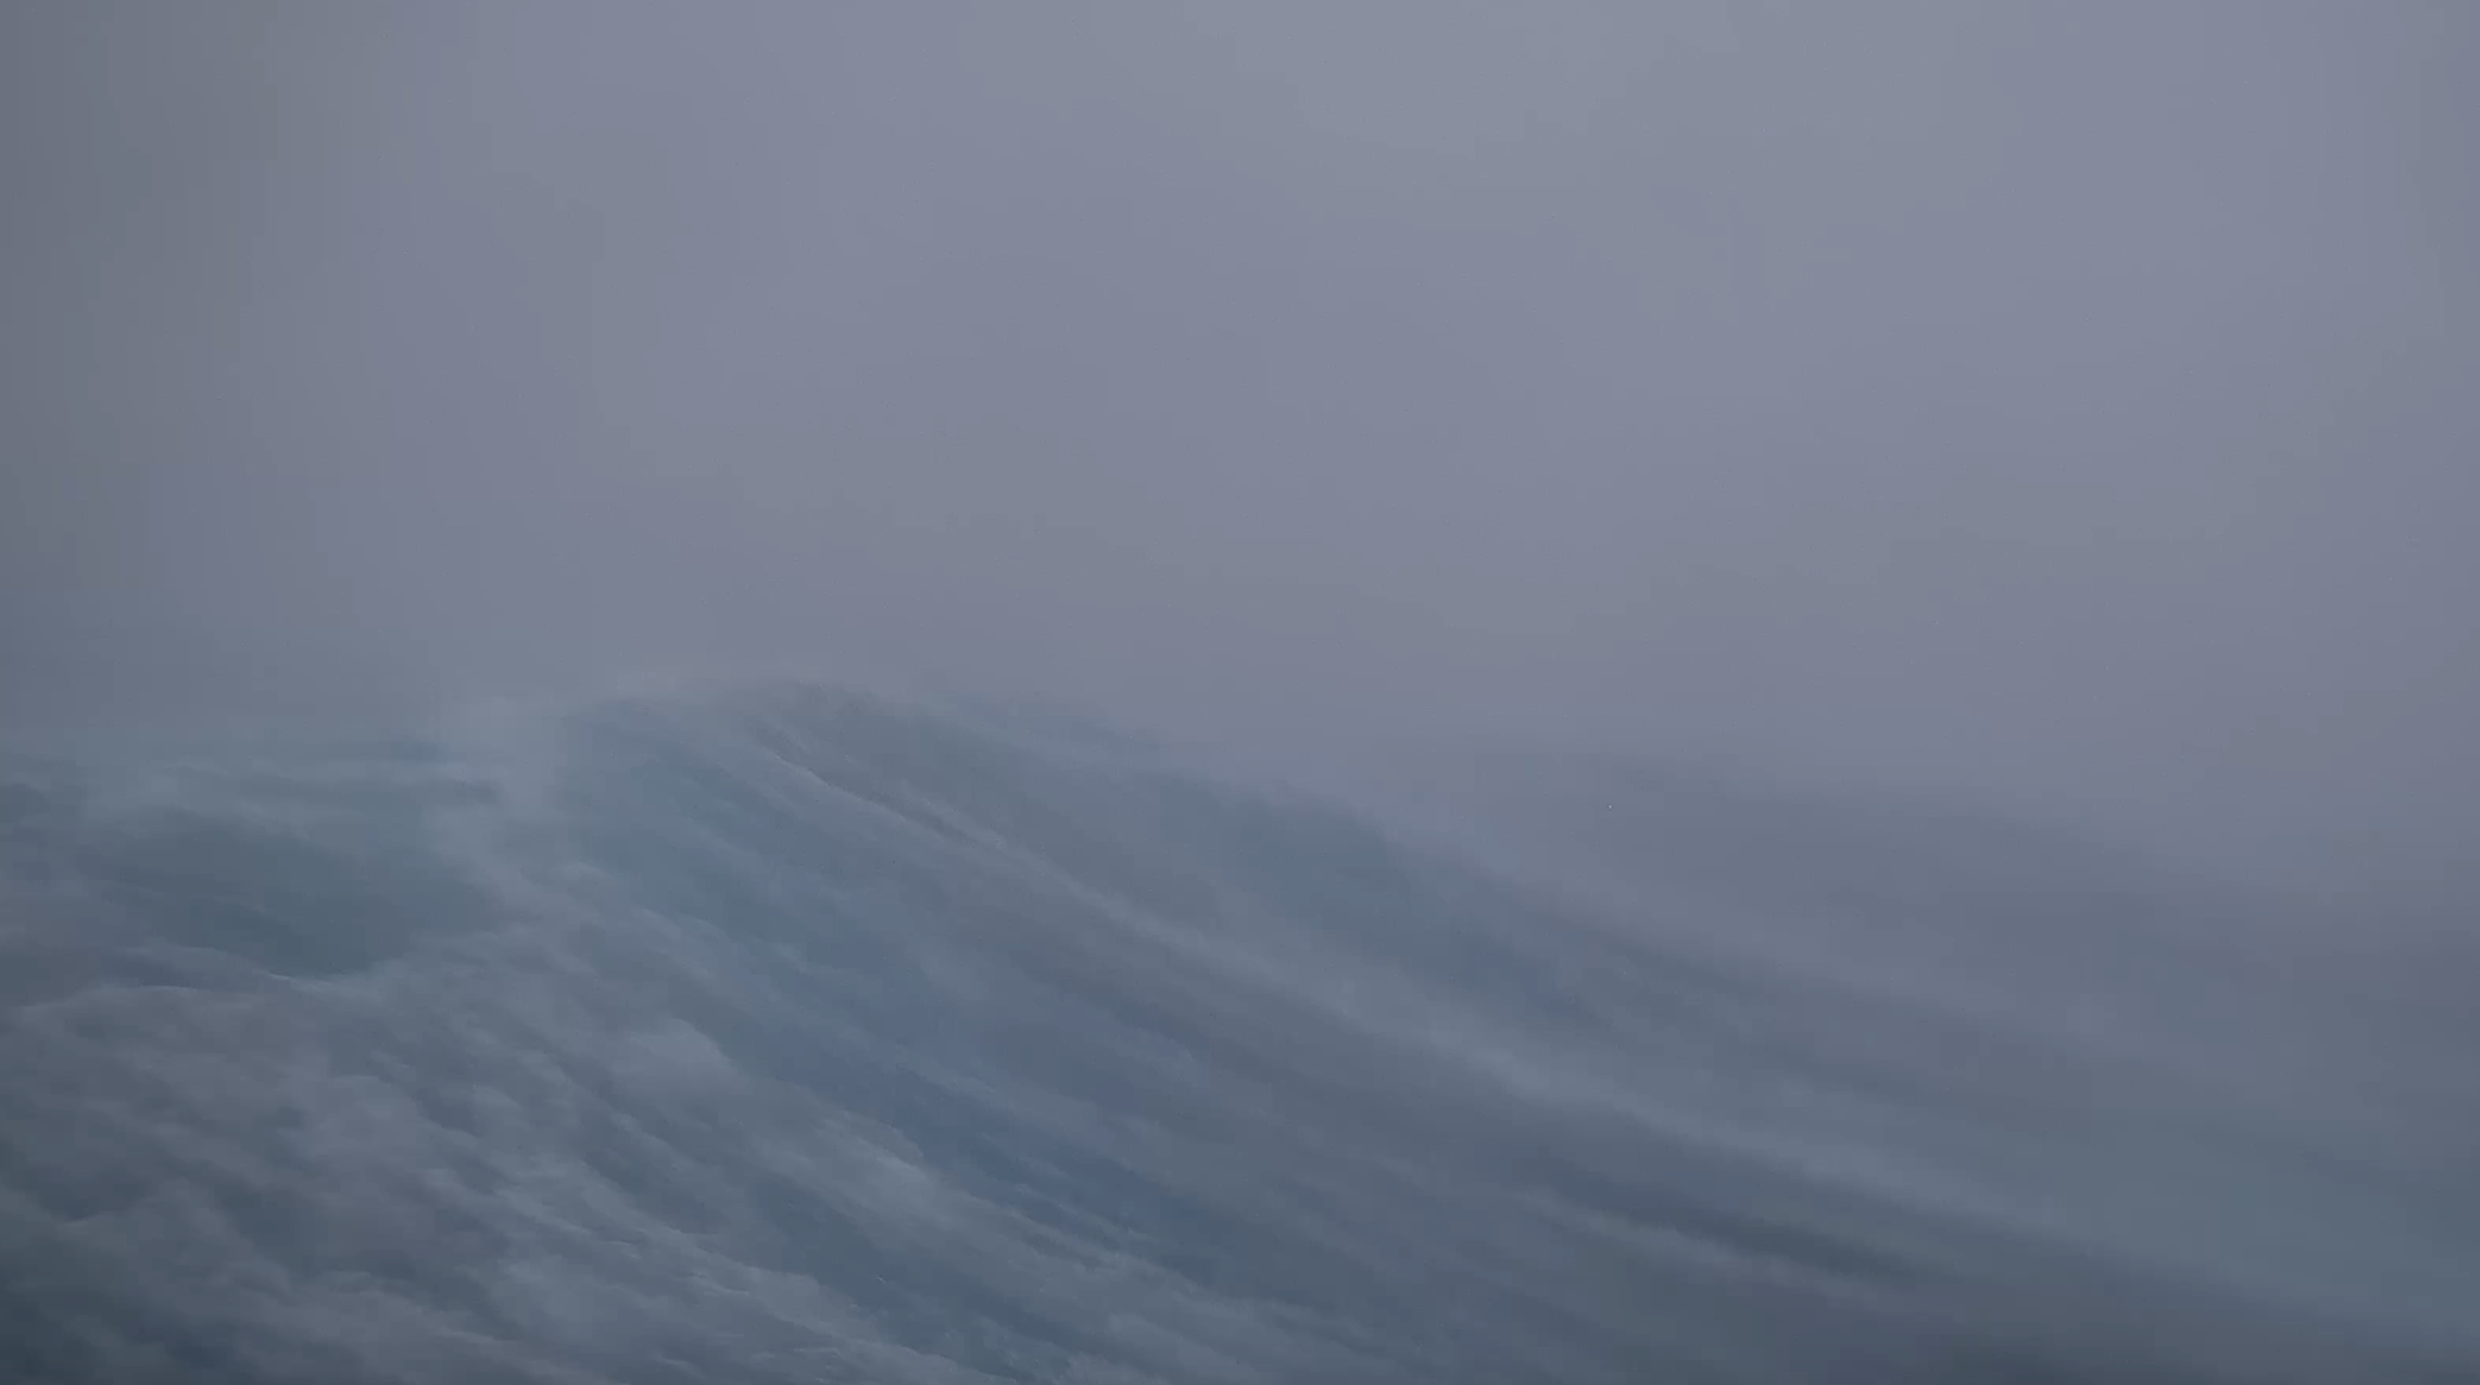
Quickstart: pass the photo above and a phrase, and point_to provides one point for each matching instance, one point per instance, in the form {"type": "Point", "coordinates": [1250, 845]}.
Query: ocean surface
{"type": "Point", "coordinates": [767, 1031]}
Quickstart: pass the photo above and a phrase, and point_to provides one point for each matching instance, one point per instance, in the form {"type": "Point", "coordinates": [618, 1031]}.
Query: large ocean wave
{"type": "Point", "coordinates": [771, 1032]}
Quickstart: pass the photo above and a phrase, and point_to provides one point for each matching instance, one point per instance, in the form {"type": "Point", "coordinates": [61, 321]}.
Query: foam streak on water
{"type": "Point", "coordinates": [772, 1033]}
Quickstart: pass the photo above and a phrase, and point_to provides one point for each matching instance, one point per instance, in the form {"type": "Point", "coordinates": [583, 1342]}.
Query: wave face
{"type": "Point", "coordinates": [778, 1033]}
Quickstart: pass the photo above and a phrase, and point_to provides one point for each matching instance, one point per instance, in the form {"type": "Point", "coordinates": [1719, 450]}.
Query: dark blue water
{"type": "Point", "coordinates": [774, 1033]}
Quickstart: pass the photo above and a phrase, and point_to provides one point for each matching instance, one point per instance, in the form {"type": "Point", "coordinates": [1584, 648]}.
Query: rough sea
{"type": "Point", "coordinates": [774, 1032]}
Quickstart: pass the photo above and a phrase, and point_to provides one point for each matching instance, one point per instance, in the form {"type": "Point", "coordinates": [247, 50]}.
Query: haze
{"type": "Point", "coordinates": [2068, 405]}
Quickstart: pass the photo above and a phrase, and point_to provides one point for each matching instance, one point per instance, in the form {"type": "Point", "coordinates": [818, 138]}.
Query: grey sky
{"type": "Point", "coordinates": [2073, 402]}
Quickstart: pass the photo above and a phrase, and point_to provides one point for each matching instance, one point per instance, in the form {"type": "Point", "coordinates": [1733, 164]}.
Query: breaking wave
{"type": "Point", "coordinates": [773, 1032]}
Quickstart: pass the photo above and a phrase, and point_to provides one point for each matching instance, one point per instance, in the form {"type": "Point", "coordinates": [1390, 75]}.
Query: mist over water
{"type": "Point", "coordinates": [1197, 692]}
{"type": "Point", "coordinates": [2064, 409]}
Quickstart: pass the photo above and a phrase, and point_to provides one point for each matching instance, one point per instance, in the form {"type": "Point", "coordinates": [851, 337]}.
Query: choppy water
{"type": "Point", "coordinates": [773, 1033]}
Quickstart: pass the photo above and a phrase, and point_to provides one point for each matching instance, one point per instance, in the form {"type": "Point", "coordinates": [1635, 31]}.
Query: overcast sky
{"type": "Point", "coordinates": [2078, 403]}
